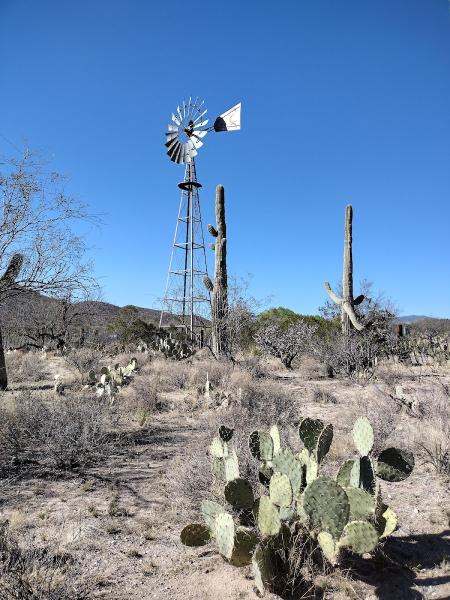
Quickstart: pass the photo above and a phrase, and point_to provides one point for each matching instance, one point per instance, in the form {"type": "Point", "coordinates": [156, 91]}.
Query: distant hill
{"type": "Point", "coordinates": [411, 318]}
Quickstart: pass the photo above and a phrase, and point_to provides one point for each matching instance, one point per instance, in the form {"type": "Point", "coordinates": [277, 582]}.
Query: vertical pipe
{"type": "Point", "coordinates": [192, 260]}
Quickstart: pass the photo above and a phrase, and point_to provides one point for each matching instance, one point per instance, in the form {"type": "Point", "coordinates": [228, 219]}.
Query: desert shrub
{"type": "Point", "coordinates": [255, 366]}
{"type": "Point", "coordinates": [323, 396]}
{"type": "Point", "coordinates": [295, 520]}
{"type": "Point", "coordinates": [218, 372]}
{"type": "Point", "coordinates": [261, 401]}
{"type": "Point", "coordinates": [434, 435]}
{"type": "Point", "coordinates": [286, 343]}
{"type": "Point", "coordinates": [29, 367]}
{"type": "Point", "coordinates": [83, 360]}
{"type": "Point", "coordinates": [172, 375]}
{"type": "Point", "coordinates": [145, 396]}
{"type": "Point", "coordinates": [69, 433]}
{"type": "Point", "coordinates": [35, 573]}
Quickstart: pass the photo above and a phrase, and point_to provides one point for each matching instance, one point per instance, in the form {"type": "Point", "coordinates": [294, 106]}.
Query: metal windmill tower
{"type": "Point", "coordinates": [186, 302]}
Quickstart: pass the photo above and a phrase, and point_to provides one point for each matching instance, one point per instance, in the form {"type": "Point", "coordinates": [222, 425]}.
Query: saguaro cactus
{"type": "Point", "coordinates": [6, 281]}
{"type": "Point", "coordinates": [347, 302]}
{"type": "Point", "coordinates": [219, 291]}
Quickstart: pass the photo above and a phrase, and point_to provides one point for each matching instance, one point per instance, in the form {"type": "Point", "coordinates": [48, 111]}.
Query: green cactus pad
{"type": "Point", "coordinates": [309, 432]}
{"type": "Point", "coordinates": [362, 504]}
{"type": "Point", "coordinates": [280, 490]}
{"type": "Point", "coordinates": [262, 569]}
{"type": "Point", "coordinates": [367, 474]}
{"type": "Point", "coordinates": [303, 517]}
{"type": "Point", "coordinates": [363, 435]}
{"type": "Point", "coordinates": [225, 433]}
{"type": "Point", "coordinates": [328, 546]}
{"type": "Point", "coordinates": [261, 445]}
{"type": "Point", "coordinates": [210, 510]}
{"type": "Point", "coordinates": [245, 542]}
{"type": "Point", "coordinates": [327, 506]}
{"type": "Point", "coordinates": [218, 468]}
{"type": "Point", "coordinates": [312, 469]}
{"type": "Point", "coordinates": [195, 534]}
{"type": "Point", "coordinates": [394, 464]}
{"type": "Point", "coordinates": [239, 494]}
{"type": "Point", "coordinates": [268, 517]}
{"type": "Point", "coordinates": [275, 435]}
{"type": "Point", "coordinates": [218, 448]}
{"type": "Point", "coordinates": [224, 534]}
{"type": "Point", "coordinates": [324, 443]}
{"type": "Point", "coordinates": [348, 474]}
{"type": "Point", "coordinates": [231, 466]}
{"type": "Point", "coordinates": [390, 522]}
{"type": "Point", "coordinates": [360, 536]}
{"type": "Point", "coordinates": [286, 463]}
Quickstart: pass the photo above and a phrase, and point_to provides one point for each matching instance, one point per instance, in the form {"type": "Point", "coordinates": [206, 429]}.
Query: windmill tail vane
{"type": "Point", "coordinates": [187, 302]}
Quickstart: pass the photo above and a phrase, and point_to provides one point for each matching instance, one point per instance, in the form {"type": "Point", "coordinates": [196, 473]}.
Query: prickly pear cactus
{"type": "Point", "coordinates": [342, 515]}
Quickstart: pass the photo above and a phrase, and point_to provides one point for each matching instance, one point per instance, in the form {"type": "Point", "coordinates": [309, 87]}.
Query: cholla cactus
{"type": "Point", "coordinates": [219, 290]}
{"type": "Point", "coordinates": [6, 281]}
{"type": "Point", "coordinates": [337, 516]}
{"type": "Point", "coordinates": [347, 302]}
{"type": "Point", "coordinates": [111, 379]}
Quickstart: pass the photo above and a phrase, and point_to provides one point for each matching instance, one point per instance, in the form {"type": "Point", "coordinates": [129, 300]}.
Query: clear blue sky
{"type": "Point", "coordinates": [343, 102]}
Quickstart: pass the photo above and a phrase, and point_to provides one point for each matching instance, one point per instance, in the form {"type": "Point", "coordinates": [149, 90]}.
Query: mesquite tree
{"type": "Point", "coordinates": [347, 302]}
{"type": "Point", "coordinates": [36, 219]}
{"type": "Point", "coordinates": [219, 290]}
{"type": "Point", "coordinates": [286, 343]}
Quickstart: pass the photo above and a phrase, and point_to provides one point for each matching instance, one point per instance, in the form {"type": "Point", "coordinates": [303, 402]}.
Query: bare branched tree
{"type": "Point", "coordinates": [37, 221]}
{"type": "Point", "coordinates": [286, 343]}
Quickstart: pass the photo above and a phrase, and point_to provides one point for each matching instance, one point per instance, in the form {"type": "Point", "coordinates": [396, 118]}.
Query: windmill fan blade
{"type": "Point", "coordinates": [173, 128]}
{"type": "Point", "coordinates": [229, 120]}
{"type": "Point", "coordinates": [171, 136]}
{"type": "Point", "coordinates": [174, 149]}
{"type": "Point", "coordinates": [180, 115]}
{"type": "Point", "coordinates": [171, 143]}
{"type": "Point", "coordinates": [200, 116]}
{"type": "Point", "coordinates": [200, 132]}
{"type": "Point", "coordinates": [176, 120]}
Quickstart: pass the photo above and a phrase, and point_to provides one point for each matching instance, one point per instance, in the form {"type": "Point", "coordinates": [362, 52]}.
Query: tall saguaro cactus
{"type": "Point", "coordinates": [219, 291]}
{"type": "Point", "coordinates": [8, 279]}
{"type": "Point", "coordinates": [347, 302]}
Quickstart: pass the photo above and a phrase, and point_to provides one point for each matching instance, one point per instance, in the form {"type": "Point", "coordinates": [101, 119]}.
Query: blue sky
{"type": "Point", "coordinates": [342, 102]}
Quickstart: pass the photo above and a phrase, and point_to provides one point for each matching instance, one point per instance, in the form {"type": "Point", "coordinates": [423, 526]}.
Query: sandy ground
{"type": "Point", "coordinates": [119, 519]}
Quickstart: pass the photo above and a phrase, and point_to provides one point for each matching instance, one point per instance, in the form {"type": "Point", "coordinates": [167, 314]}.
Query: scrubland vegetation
{"type": "Point", "coordinates": [292, 456]}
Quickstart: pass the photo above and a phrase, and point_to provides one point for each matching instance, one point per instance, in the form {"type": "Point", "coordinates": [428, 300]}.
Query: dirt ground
{"type": "Point", "coordinates": [120, 520]}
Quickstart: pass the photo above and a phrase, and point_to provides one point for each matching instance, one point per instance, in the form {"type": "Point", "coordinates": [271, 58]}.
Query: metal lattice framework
{"type": "Point", "coordinates": [186, 301]}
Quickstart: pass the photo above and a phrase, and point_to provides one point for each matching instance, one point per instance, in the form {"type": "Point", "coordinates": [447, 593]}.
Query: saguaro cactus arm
{"type": "Point", "coordinates": [332, 295]}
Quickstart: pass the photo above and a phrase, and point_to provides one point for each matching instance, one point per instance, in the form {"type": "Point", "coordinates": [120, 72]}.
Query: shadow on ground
{"type": "Point", "coordinates": [394, 573]}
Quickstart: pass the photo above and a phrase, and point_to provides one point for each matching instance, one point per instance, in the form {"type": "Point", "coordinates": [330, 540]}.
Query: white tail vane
{"type": "Point", "coordinates": [229, 120]}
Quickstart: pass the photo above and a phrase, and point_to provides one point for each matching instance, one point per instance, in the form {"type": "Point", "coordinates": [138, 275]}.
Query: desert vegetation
{"type": "Point", "coordinates": [310, 451]}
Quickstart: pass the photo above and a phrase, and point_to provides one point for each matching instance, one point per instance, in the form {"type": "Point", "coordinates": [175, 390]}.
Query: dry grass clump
{"type": "Point", "coordinates": [433, 437]}
{"type": "Point", "coordinates": [323, 396]}
{"type": "Point", "coordinates": [35, 573]}
{"type": "Point", "coordinates": [262, 402]}
{"type": "Point", "coordinates": [217, 371]}
{"type": "Point", "coordinates": [172, 375]}
{"type": "Point", "coordinates": [29, 366]}
{"type": "Point", "coordinates": [65, 434]}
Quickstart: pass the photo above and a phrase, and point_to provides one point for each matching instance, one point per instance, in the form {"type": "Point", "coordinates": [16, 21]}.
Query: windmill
{"type": "Point", "coordinates": [185, 296]}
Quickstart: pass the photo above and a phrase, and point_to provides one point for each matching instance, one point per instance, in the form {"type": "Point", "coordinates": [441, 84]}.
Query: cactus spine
{"type": "Point", "coordinates": [8, 279]}
{"type": "Point", "coordinates": [219, 291]}
{"type": "Point", "coordinates": [347, 302]}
